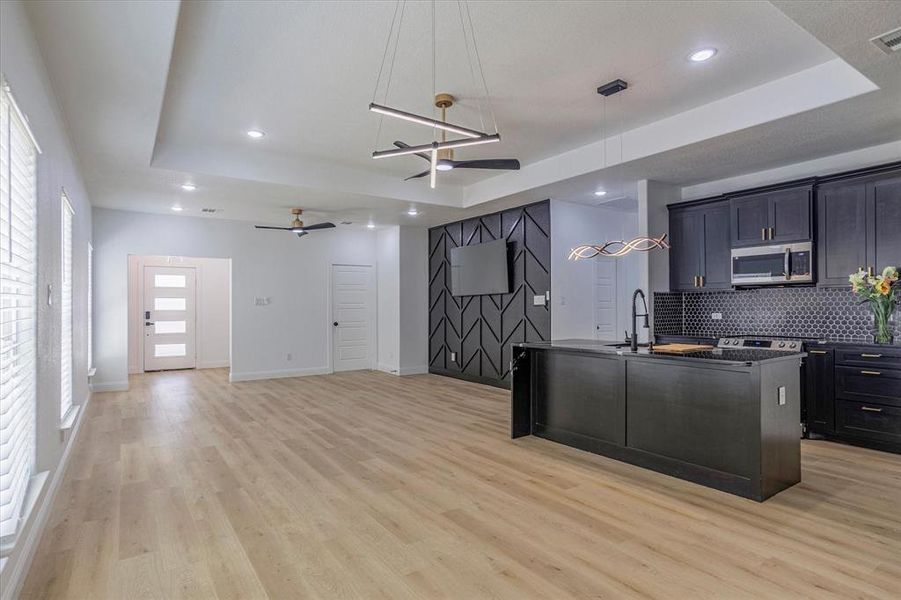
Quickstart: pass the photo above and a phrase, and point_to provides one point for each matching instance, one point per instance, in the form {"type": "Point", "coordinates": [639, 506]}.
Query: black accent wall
{"type": "Point", "coordinates": [481, 329]}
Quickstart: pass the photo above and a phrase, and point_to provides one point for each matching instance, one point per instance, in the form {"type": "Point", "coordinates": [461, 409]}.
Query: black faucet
{"type": "Point", "coordinates": [635, 316]}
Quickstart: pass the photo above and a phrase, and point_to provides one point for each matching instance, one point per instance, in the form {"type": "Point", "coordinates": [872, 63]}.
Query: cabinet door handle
{"type": "Point", "coordinates": [763, 233]}
{"type": "Point", "coordinates": [701, 280]}
{"type": "Point", "coordinates": [871, 271]}
{"type": "Point", "coordinates": [772, 232]}
{"type": "Point", "coordinates": [696, 280]}
{"type": "Point", "coordinates": [816, 352]}
{"type": "Point", "coordinates": [870, 373]}
{"type": "Point", "coordinates": [871, 356]}
{"type": "Point", "coordinates": [870, 409]}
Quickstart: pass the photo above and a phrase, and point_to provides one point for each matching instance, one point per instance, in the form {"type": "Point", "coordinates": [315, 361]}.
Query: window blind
{"type": "Point", "coordinates": [90, 306]}
{"type": "Point", "coordinates": [18, 296]}
{"type": "Point", "coordinates": [65, 404]}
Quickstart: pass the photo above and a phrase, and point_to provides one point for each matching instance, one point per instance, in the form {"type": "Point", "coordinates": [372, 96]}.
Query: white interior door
{"type": "Point", "coordinates": [353, 309]}
{"type": "Point", "coordinates": [169, 318]}
{"type": "Point", "coordinates": [605, 299]}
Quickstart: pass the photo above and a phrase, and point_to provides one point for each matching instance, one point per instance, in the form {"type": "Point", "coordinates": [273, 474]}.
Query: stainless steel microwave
{"type": "Point", "coordinates": [773, 265]}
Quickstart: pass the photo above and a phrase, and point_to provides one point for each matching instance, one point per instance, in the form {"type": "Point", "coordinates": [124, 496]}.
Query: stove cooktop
{"type": "Point", "coordinates": [769, 343]}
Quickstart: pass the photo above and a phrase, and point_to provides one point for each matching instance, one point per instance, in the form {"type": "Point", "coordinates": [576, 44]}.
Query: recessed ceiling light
{"type": "Point", "coordinates": [177, 208]}
{"type": "Point", "coordinates": [412, 212]}
{"type": "Point", "coordinates": [600, 193]}
{"type": "Point", "coordinates": [702, 54]}
{"type": "Point", "coordinates": [255, 133]}
{"type": "Point", "coordinates": [370, 226]}
{"type": "Point", "coordinates": [188, 187]}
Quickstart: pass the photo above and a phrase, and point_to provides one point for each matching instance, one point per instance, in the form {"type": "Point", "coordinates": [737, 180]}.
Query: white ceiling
{"type": "Point", "coordinates": [158, 93]}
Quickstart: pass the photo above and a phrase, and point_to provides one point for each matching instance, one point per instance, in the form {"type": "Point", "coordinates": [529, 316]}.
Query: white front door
{"type": "Point", "coordinates": [169, 318]}
{"type": "Point", "coordinates": [605, 299]}
{"type": "Point", "coordinates": [353, 309]}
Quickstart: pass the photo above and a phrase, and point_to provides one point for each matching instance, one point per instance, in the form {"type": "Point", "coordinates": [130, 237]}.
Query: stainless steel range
{"type": "Point", "coordinates": [784, 345]}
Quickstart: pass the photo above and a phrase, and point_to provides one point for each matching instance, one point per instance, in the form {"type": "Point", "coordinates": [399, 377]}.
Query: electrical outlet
{"type": "Point", "coordinates": [289, 356]}
{"type": "Point", "coordinates": [262, 301]}
{"type": "Point", "coordinates": [782, 395]}
{"type": "Point", "coordinates": [539, 300]}
{"type": "Point", "coordinates": [453, 357]}
{"type": "Point", "coordinates": [717, 316]}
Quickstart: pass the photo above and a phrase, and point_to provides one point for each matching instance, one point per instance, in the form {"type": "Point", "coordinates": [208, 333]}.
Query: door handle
{"type": "Point", "coordinates": [149, 323]}
{"type": "Point", "coordinates": [870, 373]}
{"type": "Point", "coordinates": [335, 324]}
{"type": "Point", "coordinates": [871, 356]}
{"type": "Point", "coordinates": [787, 264]}
{"type": "Point", "coordinates": [816, 352]}
{"type": "Point", "coordinates": [870, 409]}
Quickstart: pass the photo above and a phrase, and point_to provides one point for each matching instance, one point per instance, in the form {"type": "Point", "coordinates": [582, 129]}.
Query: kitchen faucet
{"type": "Point", "coordinates": [635, 316]}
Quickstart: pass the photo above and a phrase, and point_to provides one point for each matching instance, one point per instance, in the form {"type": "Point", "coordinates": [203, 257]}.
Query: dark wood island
{"type": "Point", "coordinates": [727, 419]}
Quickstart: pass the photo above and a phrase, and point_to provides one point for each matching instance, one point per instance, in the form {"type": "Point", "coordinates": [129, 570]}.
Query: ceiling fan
{"type": "Point", "coordinates": [446, 160]}
{"type": "Point", "coordinates": [297, 225]}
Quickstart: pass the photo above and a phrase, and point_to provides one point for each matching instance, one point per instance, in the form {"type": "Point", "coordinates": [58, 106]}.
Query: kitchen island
{"type": "Point", "coordinates": [725, 418]}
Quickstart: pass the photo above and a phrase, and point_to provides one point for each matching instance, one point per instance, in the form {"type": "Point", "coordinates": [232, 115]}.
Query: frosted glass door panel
{"type": "Point", "coordinates": [170, 303]}
{"type": "Point", "coordinates": [169, 350]}
{"type": "Point", "coordinates": [170, 281]}
{"type": "Point", "coordinates": [170, 327]}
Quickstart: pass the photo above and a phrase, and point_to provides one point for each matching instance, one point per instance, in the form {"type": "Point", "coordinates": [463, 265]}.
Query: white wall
{"type": "Point", "coordinates": [293, 272]}
{"type": "Point", "coordinates": [213, 286]}
{"type": "Point", "coordinates": [413, 325]}
{"type": "Point", "coordinates": [403, 309]}
{"type": "Point", "coordinates": [573, 282]}
{"type": "Point", "coordinates": [388, 259]}
{"type": "Point", "coordinates": [57, 168]}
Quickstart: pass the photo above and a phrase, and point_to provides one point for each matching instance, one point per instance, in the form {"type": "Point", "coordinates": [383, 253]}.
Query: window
{"type": "Point", "coordinates": [90, 306]}
{"type": "Point", "coordinates": [18, 299]}
{"type": "Point", "coordinates": [65, 342]}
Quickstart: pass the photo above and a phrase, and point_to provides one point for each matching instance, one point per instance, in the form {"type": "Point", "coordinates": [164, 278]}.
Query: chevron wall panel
{"type": "Point", "coordinates": [481, 329]}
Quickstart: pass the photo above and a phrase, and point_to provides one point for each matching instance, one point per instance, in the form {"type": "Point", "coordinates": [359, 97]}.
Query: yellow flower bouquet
{"type": "Point", "coordinates": [880, 292]}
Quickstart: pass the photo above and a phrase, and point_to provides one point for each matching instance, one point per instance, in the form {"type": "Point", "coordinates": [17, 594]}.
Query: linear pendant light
{"type": "Point", "coordinates": [407, 116]}
{"type": "Point", "coordinates": [433, 168]}
{"type": "Point", "coordinates": [495, 137]}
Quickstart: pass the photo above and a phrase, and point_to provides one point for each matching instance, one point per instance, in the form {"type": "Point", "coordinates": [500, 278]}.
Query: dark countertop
{"type": "Point", "coordinates": [736, 356]}
{"type": "Point", "coordinates": [820, 341]}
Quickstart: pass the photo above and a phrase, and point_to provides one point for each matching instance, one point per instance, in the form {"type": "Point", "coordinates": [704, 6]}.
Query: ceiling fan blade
{"type": "Point", "coordinates": [318, 226]}
{"type": "Point", "coordinates": [418, 175]}
{"type": "Point", "coordinates": [268, 227]}
{"type": "Point", "coordinates": [507, 164]}
{"type": "Point", "coordinates": [422, 155]}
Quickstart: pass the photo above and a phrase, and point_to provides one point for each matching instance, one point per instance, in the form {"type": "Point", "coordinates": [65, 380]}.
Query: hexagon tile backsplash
{"type": "Point", "coordinates": [806, 312]}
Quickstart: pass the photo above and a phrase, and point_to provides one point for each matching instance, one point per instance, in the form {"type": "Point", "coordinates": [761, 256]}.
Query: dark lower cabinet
{"type": "Point", "coordinates": [853, 394]}
{"type": "Point", "coordinates": [819, 396]}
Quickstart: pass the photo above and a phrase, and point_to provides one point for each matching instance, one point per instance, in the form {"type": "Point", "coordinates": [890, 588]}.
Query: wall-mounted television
{"type": "Point", "coordinates": [480, 269]}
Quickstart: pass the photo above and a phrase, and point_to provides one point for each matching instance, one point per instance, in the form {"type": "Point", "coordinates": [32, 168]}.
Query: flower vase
{"type": "Point", "coordinates": [883, 323]}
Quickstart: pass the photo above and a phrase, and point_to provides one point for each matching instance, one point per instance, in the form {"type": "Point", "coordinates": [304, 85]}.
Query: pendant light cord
{"type": "Point", "coordinates": [402, 5]}
{"type": "Point", "coordinates": [434, 68]}
{"type": "Point", "coordinates": [475, 47]}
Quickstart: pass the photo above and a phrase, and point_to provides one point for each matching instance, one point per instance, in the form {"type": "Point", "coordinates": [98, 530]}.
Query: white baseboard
{"type": "Point", "coordinates": [15, 578]}
{"type": "Point", "coordinates": [255, 375]}
{"type": "Point", "coordinates": [109, 386]}
{"type": "Point", "coordinates": [212, 364]}
{"type": "Point", "coordinates": [419, 370]}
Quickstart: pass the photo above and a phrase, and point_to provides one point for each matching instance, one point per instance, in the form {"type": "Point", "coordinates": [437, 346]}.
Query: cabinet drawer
{"type": "Point", "coordinates": [868, 384]}
{"type": "Point", "coordinates": [888, 357]}
{"type": "Point", "coordinates": [866, 420]}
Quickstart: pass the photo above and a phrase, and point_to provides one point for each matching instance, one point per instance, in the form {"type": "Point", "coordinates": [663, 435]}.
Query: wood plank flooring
{"type": "Point", "coordinates": [366, 485]}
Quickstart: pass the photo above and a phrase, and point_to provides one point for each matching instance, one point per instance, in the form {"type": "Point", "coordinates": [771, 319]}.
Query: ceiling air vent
{"type": "Point", "coordinates": [209, 211]}
{"type": "Point", "coordinates": [889, 42]}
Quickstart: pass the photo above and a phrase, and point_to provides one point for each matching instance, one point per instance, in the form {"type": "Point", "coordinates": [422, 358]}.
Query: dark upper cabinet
{"type": "Point", "coordinates": [776, 216]}
{"type": "Point", "coordinates": [700, 257]}
{"type": "Point", "coordinates": [819, 394]}
{"type": "Point", "coordinates": [858, 226]}
{"type": "Point", "coordinates": [884, 228]}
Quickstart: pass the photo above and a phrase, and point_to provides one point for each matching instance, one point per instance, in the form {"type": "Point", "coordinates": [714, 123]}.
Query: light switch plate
{"type": "Point", "coordinates": [453, 357]}
{"type": "Point", "coordinates": [717, 316]}
{"type": "Point", "coordinates": [539, 300]}
{"type": "Point", "coordinates": [782, 395]}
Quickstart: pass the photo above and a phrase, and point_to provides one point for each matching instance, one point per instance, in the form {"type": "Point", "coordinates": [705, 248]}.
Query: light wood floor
{"type": "Point", "coordinates": [365, 485]}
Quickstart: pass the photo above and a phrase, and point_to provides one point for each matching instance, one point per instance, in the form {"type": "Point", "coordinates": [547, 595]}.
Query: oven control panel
{"type": "Point", "coordinates": [762, 344]}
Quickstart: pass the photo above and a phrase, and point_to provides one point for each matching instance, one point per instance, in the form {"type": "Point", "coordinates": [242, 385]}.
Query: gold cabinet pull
{"type": "Point", "coordinates": [772, 232]}
{"type": "Point", "coordinates": [870, 355]}
{"type": "Point", "coordinates": [816, 352]}
{"type": "Point", "coordinates": [701, 279]}
{"type": "Point", "coordinates": [871, 271]}
{"type": "Point", "coordinates": [870, 373]}
{"type": "Point", "coordinates": [763, 233]}
{"type": "Point", "coordinates": [870, 409]}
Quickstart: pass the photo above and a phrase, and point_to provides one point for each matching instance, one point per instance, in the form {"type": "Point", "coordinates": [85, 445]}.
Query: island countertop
{"type": "Point", "coordinates": [733, 356]}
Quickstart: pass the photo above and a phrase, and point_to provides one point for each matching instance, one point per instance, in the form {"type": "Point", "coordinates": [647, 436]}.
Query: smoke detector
{"type": "Point", "coordinates": [888, 42]}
